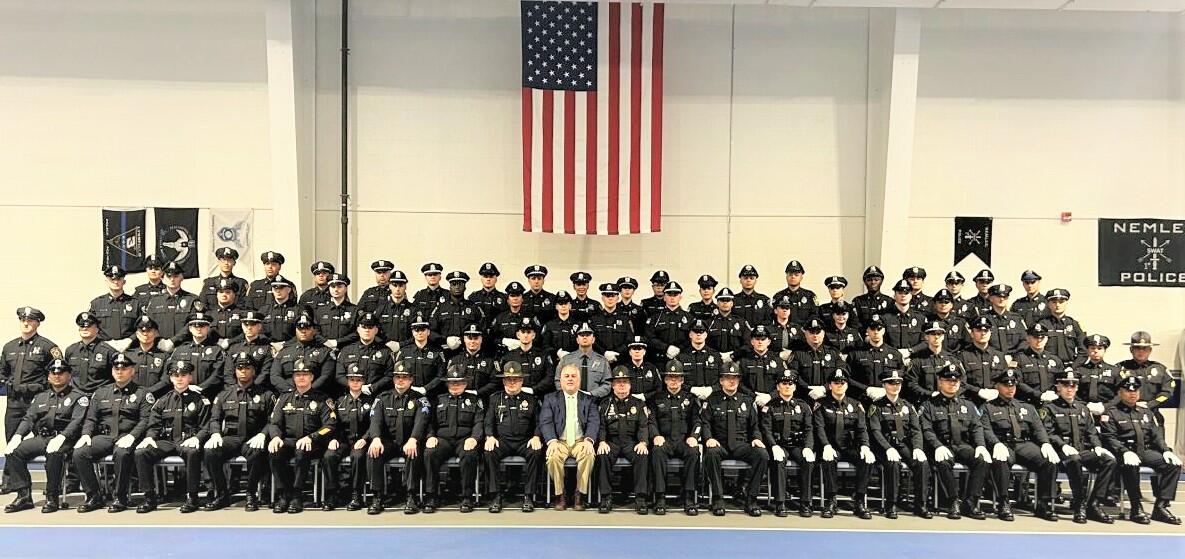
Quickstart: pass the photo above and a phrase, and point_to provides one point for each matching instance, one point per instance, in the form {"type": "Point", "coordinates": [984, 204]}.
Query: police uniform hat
{"type": "Point", "coordinates": [1009, 377]}
{"type": "Point", "coordinates": [1098, 340]}
{"type": "Point", "coordinates": [227, 284]}
{"type": "Point", "coordinates": [980, 323]}
{"type": "Point", "coordinates": [583, 328]}
{"type": "Point", "coordinates": [706, 282]}
{"type": "Point", "coordinates": [841, 308]}
{"type": "Point", "coordinates": [145, 323]}
{"type": "Point", "coordinates": [1000, 290]}
{"type": "Point", "coordinates": [1038, 330]}
{"type": "Point", "coordinates": [950, 371]}
{"type": "Point", "coordinates": [609, 289]}
{"type": "Point", "coordinates": [515, 288]}
{"type": "Point", "coordinates": [891, 376]}
{"type": "Point", "coordinates": [914, 272]}
{"type": "Point", "coordinates": [725, 294]}
{"type": "Point", "coordinates": [620, 372]}
{"type": "Point", "coordinates": [245, 358]}
{"type": "Point", "coordinates": [627, 281]}
{"type": "Point", "coordinates": [305, 320]}
{"type": "Point", "coordinates": [251, 317]}
{"type": "Point", "coordinates": [431, 268]}
{"type": "Point", "coordinates": [795, 267]}
{"type": "Point", "coordinates": [637, 341]}
{"type": "Point", "coordinates": [114, 271]}
{"type": "Point", "coordinates": [873, 272]}
{"type": "Point", "coordinates": [85, 319]}
{"type": "Point", "coordinates": [747, 270]}
{"type": "Point", "coordinates": [59, 366]}
{"type": "Point", "coordinates": [788, 376]}
{"type": "Point", "coordinates": [902, 286]}
{"type": "Point", "coordinates": [813, 324]}
{"type": "Point", "coordinates": [1141, 339]}
{"type": "Point", "coordinates": [382, 266]}
{"type": "Point", "coordinates": [1059, 293]}
{"type": "Point", "coordinates": [455, 373]}
{"type": "Point", "coordinates": [226, 252]}
{"type": "Point", "coordinates": [699, 326]}
{"type": "Point", "coordinates": [199, 317]}
{"type": "Point", "coordinates": [875, 322]}
{"type": "Point", "coordinates": [472, 330]}
{"type": "Point", "coordinates": [271, 256]}
{"type": "Point", "coordinates": [933, 327]}
{"type": "Point", "coordinates": [1029, 275]}
{"type": "Point", "coordinates": [1130, 383]}
{"type": "Point", "coordinates": [944, 295]}
{"type": "Point", "coordinates": [511, 369]}
{"type": "Point", "coordinates": [457, 276]}
{"type": "Point", "coordinates": [172, 269]}
{"type": "Point", "coordinates": [354, 371]}
{"type": "Point", "coordinates": [954, 276]}
{"type": "Point", "coordinates": [731, 370]}
{"type": "Point", "coordinates": [673, 367]}
{"type": "Point", "coordinates": [660, 276]}
{"type": "Point", "coordinates": [488, 269]}
{"type": "Point", "coordinates": [837, 375]}
{"type": "Point", "coordinates": [527, 323]}
{"type": "Point", "coordinates": [281, 281]}
{"type": "Point", "coordinates": [338, 278]}
{"type": "Point", "coordinates": [368, 319]}
{"type": "Point", "coordinates": [984, 275]}
{"type": "Point", "coordinates": [580, 277]}
{"type": "Point", "coordinates": [322, 266]}
{"type": "Point", "coordinates": [152, 262]}
{"type": "Point", "coordinates": [759, 331]}
{"type": "Point", "coordinates": [535, 270]}
{"type": "Point", "coordinates": [397, 277]}
{"type": "Point", "coordinates": [563, 297]}
{"type": "Point", "coordinates": [420, 321]}
{"type": "Point", "coordinates": [122, 360]}
{"type": "Point", "coordinates": [181, 367]}
{"type": "Point", "coordinates": [302, 366]}
{"type": "Point", "coordinates": [1068, 376]}
{"type": "Point", "coordinates": [402, 369]}
{"type": "Point", "coordinates": [784, 302]}
{"type": "Point", "coordinates": [835, 281]}
{"type": "Point", "coordinates": [673, 288]}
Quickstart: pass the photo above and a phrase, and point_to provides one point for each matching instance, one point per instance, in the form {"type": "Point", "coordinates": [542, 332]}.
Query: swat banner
{"type": "Point", "coordinates": [1142, 252]}
{"type": "Point", "coordinates": [176, 238]}
{"type": "Point", "coordinates": [973, 235]}
{"type": "Point", "coordinates": [123, 239]}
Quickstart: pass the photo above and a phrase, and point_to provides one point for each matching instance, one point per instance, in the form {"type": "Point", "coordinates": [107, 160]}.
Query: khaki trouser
{"type": "Point", "coordinates": [585, 458]}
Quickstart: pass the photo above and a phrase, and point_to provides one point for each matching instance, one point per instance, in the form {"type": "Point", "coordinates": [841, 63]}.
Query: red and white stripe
{"type": "Point", "coordinates": [592, 161]}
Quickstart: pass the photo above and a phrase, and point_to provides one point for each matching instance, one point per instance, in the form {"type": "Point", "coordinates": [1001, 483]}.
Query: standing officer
{"type": "Point", "coordinates": [732, 430]}
{"type": "Point", "coordinates": [252, 341]}
{"type": "Point", "coordinates": [538, 302]}
{"type": "Point", "coordinates": [705, 308]}
{"type": "Point", "coordinates": [922, 377]}
{"type": "Point", "coordinates": [398, 422]}
{"type": "Point", "coordinates": [1156, 384]}
{"type": "Point", "coordinates": [395, 312]}
{"type": "Point", "coordinates": [89, 359]}
{"type": "Point", "coordinates": [558, 334]}
{"type": "Point", "coordinates": [701, 362]}
{"type": "Point", "coordinates": [225, 313]}
{"type": "Point", "coordinates": [148, 359]}
{"type": "Point", "coordinates": [784, 333]}
{"type": "Point", "coordinates": [353, 420]}
{"type": "Point", "coordinates": [667, 328]}
{"type": "Point", "coordinates": [23, 369]}
{"type": "Point", "coordinates": [956, 326]}
{"type": "Point", "coordinates": [227, 257]}
{"type": "Point", "coordinates": [903, 324]}
{"type": "Point", "coordinates": [814, 361]}
{"type": "Point", "coordinates": [835, 290]}
{"type": "Point", "coordinates": [455, 430]}
{"type": "Point", "coordinates": [154, 270]}
{"type": "Point", "coordinates": [1008, 327]}
{"type": "Point", "coordinates": [897, 430]}
{"type": "Point", "coordinates": [203, 354]}
{"type": "Point", "coordinates": [842, 429]}
{"type": "Point", "coordinates": [1014, 430]}
{"type": "Point", "coordinates": [658, 284]}
{"type": "Point", "coordinates": [374, 295]}
{"type": "Point", "coordinates": [1037, 367]}
{"type": "Point", "coordinates": [1073, 433]}
{"type": "Point", "coordinates": [53, 423]}
{"type": "Point", "coordinates": [749, 305]}
{"type": "Point", "coordinates": [427, 298]}
{"type": "Point", "coordinates": [612, 325]}
{"type": "Point", "coordinates": [953, 432]}
{"type": "Point", "coordinates": [583, 307]}
{"type": "Point", "coordinates": [728, 331]}
{"type": "Point", "coordinates": [259, 291]}
{"type": "Point", "coordinates": [787, 424]}
{"type": "Point", "coordinates": [426, 363]}
{"type": "Point", "coordinates": [1097, 374]}
{"type": "Point", "coordinates": [919, 301]}
{"type": "Point", "coordinates": [675, 430]}
{"type": "Point", "coordinates": [319, 292]}
{"type": "Point", "coordinates": [281, 310]}
{"type": "Point", "coordinates": [761, 369]}
{"type": "Point", "coordinates": [116, 418]}
{"type": "Point", "coordinates": [1033, 305]}
{"type": "Point", "coordinates": [481, 371]}
{"type": "Point", "coordinates": [841, 332]}
{"type": "Point", "coordinates": [301, 425]}
{"type": "Point", "coordinates": [624, 433]}
{"type": "Point", "coordinates": [115, 310]}
{"type": "Point", "coordinates": [982, 362]}
{"type": "Point", "coordinates": [454, 316]}
{"type": "Point", "coordinates": [627, 286]}
{"type": "Point", "coordinates": [869, 361]}
{"type": "Point", "coordinates": [489, 299]}
{"type": "Point", "coordinates": [872, 302]}
{"type": "Point", "coordinates": [170, 307]}
{"type": "Point", "coordinates": [980, 304]}
{"type": "Point", "coordinates": [337, 318]}
{"type": "Point", "coordinates": [512, 429]}
{"type": "Point", "coordinates": [305, 349]}
{"type": "Point", "coordinates": [954, 284]}
{"type": "Point", "coordinates": [537, 365]}
{"type": "Point", "coordinates": [803, 299]}
{"type": "Point", "coordinates": [504, 326]}
{"type": "Point", "coordinates": [1130, 432]}
{"type": "Point", "coordinates": [372, 358]}
{"type": "Point", "coordinates": [238, 418]}
{"type": "Point", "coordinates": [176, 427]}
{"type": "Point", "coordinates": [645, 379]}
{"type": "Point", "coordinates": [1067, 339]}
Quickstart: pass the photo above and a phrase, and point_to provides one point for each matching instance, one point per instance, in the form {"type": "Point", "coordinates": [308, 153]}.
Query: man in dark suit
{"type": "Point", "coordinates": [570, 423]}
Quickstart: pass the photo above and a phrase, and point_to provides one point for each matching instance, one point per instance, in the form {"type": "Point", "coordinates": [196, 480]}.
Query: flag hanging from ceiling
{"type": "Point", "coordinates": [592, 117]}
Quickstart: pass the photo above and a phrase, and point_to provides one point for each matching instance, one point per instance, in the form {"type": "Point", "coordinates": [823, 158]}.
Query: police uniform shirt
{"type": "Point", "coordinates": [279, 319]}
{"type": "Point", "coordinates": [584, 309]}
{"type": "Point", "coordinates": [1157, 385]}
{"type": "Point", "coordinates": [637, 315]}
{"type": "Point", "coordinates": [23, 369]}
{"type": "Point", "coordinates": [398, 417]}
{"type": "Point", "coordinates": [91, 363]}
{"type": "Point", "coordinates": [1030, 308]}
{"type": "Point", "coordinates": [116, 315]}
{"type": "Point", "coordinates": [981, 366]}
{"type": "Point", "coordinates": [241, 411]}
{"type": "Point", "coordinates": [895, 425]}
{"type": "Point", "coordinates": [169, 311]}
{"type": "Point", "coordinates": [1070, 423]}
{"type": "Point", "coordinates": [841, 340]}
{"type": "Point", "coordinates": [177, 416]}
{"type": "Point", "coordinates": [867, 363]}
{"type": "Point", "coordinates": [732, 420]}
{"type": "Point", "coordinates": [613, 331]}
{"type": "Point", "coordinates": [803, 300]}
{"type": "Point", "coordinates": [209, 293]}
{"type": "Point", "coordinates": [624, 421]}
{"type": "Point", "coordinates": [963, 307]}
{"type": "Point", "coordinates": [374, 361]}
{"type": "Point", "coordinates": [314, 297]}
{"type": "Point", "coordinates": [260, 349]}
{"type": "Point", "coordinates": [481, 372]}
{"type": "Point", "coordinates": [674, 416]}
{"type": "Point", "coordinates": [1130, 428]}
{"type": "Point", "coordinates": [316, 357]}
{"type": "Point", "coordinates": [1008, 331]}
{"type": "Point", "coordinates": [150, 368]}
{"type": "Point", "coordinates": [1067, 340]}
{"type": "Point", "coordinates": [146, 291]}
{"type": "Point", "coordinates": [395, 318]}
{"type": "Point", "coordinates": [921, 378]}
{"type": "Point", "coordinates": [225, 321]}
{"type": "Point", "coordinates": [788, 423]}
{"type": "Point", "coordinates": [426, 299]}
{"type": "Point", "coordinates": [644, 378]}
{"type": "Point", "coordinates": [702, 366]}
{"type": "Point", "coordinates": [453, 316]}
{"type": "Point", "coordinates": [537, 365]}
{"type": "Point", "coordinates": [1011, 421]}
{"type": "Point", "coordinates": [783, 336]}
{"type": "Point", "coordinates": [949, 422]}
{"type": "Point", "coordinates": [728, 333]}
{"type": "Point", "coordinates": [259, 294]}
{"type": "Point", "coordinates": [703, 310]}
{"type": "Point", "coordinates": [667, 328]}
{"type": "Point", "coordinates": [116, 411]}
{"type": "Point", "coordinates": [759, 372]}
{"type": "Point", "coordinates": [353, 417]}
{"type": "Point", "coordinates": [458, 417]}
{"type": "Point", "coordinates": [652, 305]}
{"type": "Point", "coordinates": [338, 321]}
{"type": "Point", "coordinates": [426, 365]}
{"type": "Point", "coordinates": [373, 297]}
{"type": "Point", "coordinates": [903, 329]}
{"type": "Point", "coordinates": [958, 332]}
{"type": "Point", "coordinates": [980, 304]}
{"type": "Point", "coordinates": [539, 305]}
{"type": "Point", "coordinates": [208, 360]}
{"type": "Point", "coordinates": [754, 308]}
{"type": "Point", "coordinates": [1098, 380]}
{"type": "Point", "coordinates": [840, 423]}
{"type": "Point", "coordinates": [827, 310]}
{"type": "Point", "coordinates": [1037, 371]}
{"type": "Point", "coordinates": [513, 418]}
{"type": "Point", "coordinates": [559, 334]}
{"type": "Point", "coordinates": [492, 302]}
{"type": "Point", "coordinates": [53, 413]}
{"type": "Point", "coordinates": [922, 304]}
{"type": "Point", "coordinates": [298, 415]}
{"type": "Point", "coordinates": [869, 304]}
{"type": "Point", "coordinates": [813, 365]}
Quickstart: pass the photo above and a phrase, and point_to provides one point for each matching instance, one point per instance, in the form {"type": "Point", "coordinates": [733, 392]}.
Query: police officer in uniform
{"type": "Point", "coordinates": [281, 310]}
{"type": "Point", "coordinates": [176, 427]}
{"type": "Point", "coordinates": [787, 424]}
{"type": "Point", "coordinates": [732, 430]}
{"type": "Point", "coordinates": [1067, 339]}
{"type": "Point", "coordinates": [148, 360]}
{"type": "Point", "coordinates": [53, 423]}
{"type": "Point", "coordinates": [803, 299]}
{"type": "Point", "coordinates": [784, 334]}
{"type": "Point", "coordinates": [956, 327]}
{"type": "Point", "coordinates": [23, 369]}
{"type": "Point", "coordinates": [559, 333]}
{"type": "Point", "coordinates": [115, 310]}
{"type": "Point", "coordinates": [872, 302]}
{"type": "Point", "coordinates": [1098, 377]}
{"type": "Point", "coordinates": [667, 328]}
{"type": "Point", "coordinates": [701, 363]}
{"type": "Point", "coordinates": [674, 433]}
{"type": "Point", "coordinates": [374, 295]}
{"type": "Point", "coordinates": [960, 305]}
{"type": "Point", "coordinates": [1015, 433]}
{"type": "Point", "coordinates": [504, 326]}
{"type": "Point", "coordinates": [537, 365]}
{"type": "Point", "coordinates": [1008, 331]}
{"type": "Point", "coordinates": [761, 369]}
{"type": "Point", "coordinates": [319, 292]}
{"type": "Point", "coordinates": [489, 299]}
{"type": "Point", "coordinates": [814, 361]}
{"type": "Point", "coordinates": [301, 425]}
{"type": "Point", "coordinates": [921, 379]}
{"type": "Point", "coordinates": [398, 423]}
{"type": "Point", "coordinates": [432, 294]}
{"type": "Point", "coordinates": [225, 313]}
{"type": "Point", "coordinates": [116, 419]}
{"type": "Point", "coordinates": [254, 343]}
{"type": "Point", "coordinates": [1033, 305]}
{"type": "Point", "coordinates": [583, 307]}
{"type": "Point", "coordinates": [842, 430]}
{"type": "Point", "coordinates": [953, 432]}
{"type": "Point", "coordinates": [1130, 433]}
{"type": "Point", "coordinates": [982, 362]}
{"type": "Point", "coordinates": [655, 303]}
{"type": "Point", "coordinates": [454, 316]}
{"type": "Point", "coordinates": [980, 303]}
{"type": "Point", "coordinates": [903, 324]}
{"type": "Point", "coordinates": [538, 302]}
{"type": "Point", "coordinates": [238, 418]}
{"type": "Point", "coordinates": [1037, 368]}
{"type": "Point", "coordinates": [170, 307]}
{"type": "Point", "coordinates": [645, 379]}
{"type": "Point", "coordinates": [1074, 434]}
{"type": "Point", "coordinates": [227, 257]}
{"type": "Point", "coordinates": [835, 290]}
{"type": "Point", "coordinates": [89, 359]}
{"type": "Point", "coordinates": [612, 325]}
{"type": "Point", "coordinates": [155, 285]}
{"type": "Point", "coordinates": [512, 429]}
{"type": "Point", "coordinates": [373, 359]}
{"type": "Point", "coordinates": [749, 305]}
{"type": "Point", "coordinates": [919, 301]}
{"type": "Point", "coordinates": [1156, 384]}
{"type": "Point", "coordinates": [705, 308]}
{"type": "Point", "coordinates": [627, 285]}
{"type": "Point", "coordinates": [259, 292]}
{"type": "Point", "coordinates": [337, 318]}
{"type": "Point", "coordinates": [895, 426]}
{"type": "Point", "coordinates": [481, 371]}
{"type": "Point", "coordinates": [871, 360]}
{"type": "Point", "coordinates": [395, 312]}
{"type": "Point", "coordinates": [206, 357]}
{"type": "Point", "coordinates": [839, 331]}
{"type": "Point", "coordinates": [426, 363]}
{"type": "Point", "coordinates": [624, 433]}
{"type": "Point", "coordinates": [728, 331]}
{"type": "Point", "coordinates": [456, 429]}
{"type": "Point", "coordinates": [304, 349]}
{"type": "Point", "coordinates": [349, 439]}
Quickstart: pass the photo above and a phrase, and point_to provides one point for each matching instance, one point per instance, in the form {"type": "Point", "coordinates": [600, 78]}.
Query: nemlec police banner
{"type": "Point", "coordinates": [1142, 252]}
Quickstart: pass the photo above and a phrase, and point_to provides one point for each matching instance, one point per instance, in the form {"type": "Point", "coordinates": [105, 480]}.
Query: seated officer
{"type": "Point", "coordinates": [1013, 430]}
{"type": "Point", "coordinates": [732, 430]}
{"type": "Point", "coordinates": [301, 426]}
{"type": "Point", "coordinates": [176, 427]}
{"type": "Point", "coordinates": [238, 418]}
{"type": "Point", "coordinates": [455, 429]}
{"type": "Point", "coordinates": [952, 430]}
{"type": "Point", "coordinates": [1073, 432]}
{"type": "Point", "coordinates": [512, 429]}
{"type": "Point", "coordinates": [353, 419]}
{"type": "Point", "coordinates": [398, 422]}
{"type": "Point", "coordinates": [842, 430]}
{"type": "Point", "coordinates": [624, 432]}
{"type": "Point", "coordinates": [674, 433]}
{"type": "Point", "coordinates": [53, 423]}
{"type": "Point", "coordinates": [1130, 432]}
{"type": "Point", "coordinates": [787, 426]}
{"type": "Point", "coordinates": [897, 431]}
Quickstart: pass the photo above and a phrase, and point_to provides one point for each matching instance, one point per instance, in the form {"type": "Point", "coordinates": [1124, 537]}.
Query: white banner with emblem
{"type": "Point", "coordinates": [232, 228]}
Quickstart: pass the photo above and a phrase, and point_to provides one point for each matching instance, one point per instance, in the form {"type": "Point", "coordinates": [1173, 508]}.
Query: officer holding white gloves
{"type": "Point", "coordinates": [1015, 434]}
{"type": "Point", "coordinates": [841, 430]}
{"type": "Point", "coordinates": [1131, 434]}
{"type": "Point", "coordinates": [1075, 436]}
{"type": "Point", "coordinates": [787, 424]}
{"type": "Point", "coordinates": [896, 430]}
{"type": "Point", "coordinates": [952, 430]}
{"type": "Point", "coordinates": [238, 417]}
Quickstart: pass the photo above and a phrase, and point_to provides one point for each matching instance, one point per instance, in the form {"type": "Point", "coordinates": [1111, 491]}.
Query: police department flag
{"type": "Point", "coordinates": [124, 232]}
{"type": "Point", "coordinates": [592, 117]}
{"type": "Point", "coordinates": [232, 228]}
{"type": "Point", "coordinates": [176, 238]}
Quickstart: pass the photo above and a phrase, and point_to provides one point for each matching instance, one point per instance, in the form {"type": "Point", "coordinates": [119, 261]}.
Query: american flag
{"type": "Point", "coordinates": [592, 117]}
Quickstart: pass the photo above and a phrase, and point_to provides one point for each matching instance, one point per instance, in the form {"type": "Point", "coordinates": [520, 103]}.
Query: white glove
{"type": "Point", "coordinates": [1171, 458]}
{"type": "Point", "coordinates": [511, 344]}
{"type": "Point", "coordinates": [1069, 450]}
{"type": "Point", "coordinates": [611, 356]}
{"type": "Point", "coordinates": [528, 390]}
{"type": "Point", "coordinates": [829, 454]}
{"type": "Point", "coordinates": [892, 455]}
{"type": "Point", "coordinates": [726, 356]}
{"type": "Point", "coordinates": [816, 392]}
{"type": "Point", "coordinates": [195, 388]}
{"type": "Point", "coordinates": [641, 397]}
{"type": "Point", "coordinates": [1000, 452]}
{"type": "Point", "coordinates": [165, 345]}
{"type": "Point", "coordinates": [55, 444]}
{"type": "Point", "coordinates": [331, 344]}
{"type": "Point", "coordinates": [560, 353]}
{"type": "Point", "coordinates": [1142, 404]}
{"type": "Point", "coordinates": [808, 455]}
{"type": "Point", "coordinates": [276, 347]}
{"type": "Point", "coordinates": [918, 455]}
{"type": "Point", "coordinates": [784, 355]}
{"type": "Point", "coordinates": [672, 351]}
{"type": "Point", "coordinates": [701, 392]}
{"type": "Point", "coordinates": [256, 442]}
{"type": "Point", "coordinates": [127, 440]}
{"type": "Point", "coordinates": [867, 455]}
{"type": "Point", "coordinates": [84, 440]}
{"type": "Point", "coordinates": [761, 399]}
{"type": "Point", "coordinates": [453, 342]}
{"type": "Point", "coordinates": [224, 343]}
{"type": "Point", "coordinates": [147, 442]}
{"type": "Point", "coordinates": [904, 354]}
{"type": "Point", "coordinates": [1050, 454]}
{"type": "Point", "coordinates": [983, 454]}
{"type": "Point", "coordinates": [1096, 408]}
{"type": "Point", "coordinates": [191, 442]}
{"type": "Point", "coordinates": [12, 444]}
{"type": "Point", "coordinates": [988, 394]}
{"type": "Point", "coordinates": [214, 441]}
{"type": "Point", "coordinates": [471, 391]}
{"type": "Point", "coordinates": [419, 390]}
{"type": "Point", "coordinates": [366, 389]}
{"type": "Point", "coordinates": [120, 345]}
{"type": "Point", "coordinates": [934, 393]}
{"type": "Point", "coordinates": [779, 453]}
{"type": "Point", "coordinates": [1048, 396]}
{"type": "Point", "coordinates": [875, 392]}
{"type": "Point", "coordinates": [1103, 452]}
{"type": "Point", "coordinates": [1131, 459]}
{"type": "Point", "coordinates": [393, 346]}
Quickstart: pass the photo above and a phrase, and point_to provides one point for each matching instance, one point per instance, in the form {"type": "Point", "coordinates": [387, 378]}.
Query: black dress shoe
{"type": "Point", "coordinates": [861, 511]}
{"type": "Point", "coordinates": [752, 509]}
{"type": "Point", "coordinates": [280, 506]}
{"type": "Point", "coordinates": [691, 510]}
{"type": "Point", "coordinates": [296, 506]}
{"type": "Point", "coordinates": [1137, 514]}
{"type": "Point", "coordinates": [328, 505]}
{"type": "Point", "coordinates": [92, 503]}
{"type": "Point", "coordinates": [430, 505]}
{"type": "Point", "coordinates": [356, 502]}
{"type": "Point", "coordinates": [1160, 513]}
{"type": "Point", "coordinates": [147, 506]}
{"type": "Point", "coordinates": [22, 502]}
{"type": "Point", "coordinates": [780, 510]}
{"type": "Point", "coordinates": [1044, 511]}
{"type": "Point", "coordinates": [923, 512]}
{"type": "Point", "coordinates": [1095, 512]}
{"type": "Point", "coordinates": [218, 503]}
{"type": "Point", "coordinates": [52, 504]}
{"type": "Point", "coordinates": [1004, 512]}
{"type": "Point", "coordinates": [528, 503]}
{"type": "Point", "coordinates": [718, 508]}
{"type": "Point", "coordinates": [641, 507]}
{"type": "Point", "coordinates": [970, 509]}
{"type": "Point", "coordinates": [606, 505]}
{"type": "Point", "coordinates": [120, 505]}
{"type": "Point", "coordinates": [190, 505]}
{"type": "Point", "coordinates": [376, 506]}
{"type": "Point", "coordinates": [411, 506]}
{"type": "Point", "coordinates": [1079, 514]}
{"type": "Point", "coordinates": [496, 504]}
{"type": "Point", "coordinates": [466, 505]}
{"type": "Point", "coordinates": [252, 503]}
{"type": "Point", "coordinates": [829, 508]}
{"type": "Point", "coordinates": [660, 506]}
{"type": "Point", "coordinates": [804, 509]}
{"type": "Point", "coordinates": [891, 512]}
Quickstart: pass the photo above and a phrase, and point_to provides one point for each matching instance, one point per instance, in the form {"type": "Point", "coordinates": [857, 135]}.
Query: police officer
{"type": "Point", "coordinates": [395, 312]}
{"type": "Point", "coordinates": [1016, 434]}
{"type": "Point", "coordinates": [842, 430]}
{"type": "Point", "coordinates": [116, 310]}
{"type": "Point", "coordinates": [953, 432]}
{"type": "Point", "coordinates": [814, 361]}
{"type": "Point", "coordinates": [627, 285]}
{"type": "Point", "coordinates": [148, 359]}
{"type": "Point", "coordinates": [537, 365]}
{"type": "Point", "coordinates": [731, 429]}
{"type": "Point", "coordinates": [787, 425]}
{"type": "Point", "coordinates": [872, 302]}
{"type": "Point", "coordinates": [1074, 434]}
{"type": "Point", "coordinates": [170, 307]}
{"type": "Point", "coordinates": [1156, 384]}
{"type": "Point", "coordinates": [319, 292]}
{"type": "Point", "coordinates": [116, 419]}
{"type": "Point", "coordinates": [1067, 339]}
{"type": "Point", "coordinates": [839, 331]}
{"type": "Point", "coordinates": [259, 291]}
{"type": "Point", "coordinates": [154, 270]}
{"type": "Point", "coordinates": [481, 371]}
{"type": "Point", "coordinates": [982, 362]}
{"type": "Point", "coordinates": [645, 379]}
{"type": "Point", "coordinates": [784, 334]}
{"type": "Point", "coordinates": [803, 299]}
{"type": "Point", "coordinates": [254, 343]}
{"type": "Point", "coordinates": [956, 327]}
{"type": "Point", "coordinates": [728, 331]}
{"type": "Point", "coordinates": [337, 318]}
{"type": "Point", "coordinates": [489, 299]}
{"type": "Point", "coordinates": [894, 425]}
{"type": "Point", "coordinates": [512, 429]}
{"type": "Point", "coordinates": [658, 284]}
{"type": "Point", "coordinates": [349, 439]}
{"type": "Point", "coordinates": [583, 307]}
{"type": "Point", "coordinates": [280, 312]}
{"type": "Point", "coordinates": [374, 295]}
{"type": "Point", "coordinates": [398, 424]}
{"type": "Point", "coordinates": [667, 328]}
{"type": "Point", "coordinates": [675, 431]}
{"type": "Point", "coordinates": [53, 423]}
{"type": "Point", "coordinates": [559, 333]}
{"type": "Point", "coordinates": [225, 313]}
{"type": "Point", "coordinates": [1008, 327]}
{"type": "Point", "coordinates": [1033, 305]}
{"type": "Point", "coordinates": [1037, 367]}
{"type": "Point", "coordinates": [227, 257]}
{"type": "Point", "coordinates": [980, 303]}
{"type": "Point", "coordinates": [921, 379]}
{"type": "Point", "coordinates": [238, 419]}
{"type": "Point", "coordinates": [426, 363]}
{"type": "Point", "coordinates": [23, 369]}
{"type": "Point", "coordinates": [903, 324]}
{"type": "Point", "coordinates": [177, 425]}
{"type": "Point", "coordinates": [89, 358]}
{"type": "Point", "coordinates": [372, 359]}
{"type": "Point", "coordinates": [761, 369]}
{"type": "Point", "coordinates": [206, 357]}
{"type": "Point", "coordinates": [624, 433]}
{"type": "Point", "coordinates": [836, 286]}
{"type": "Point", "coordinates": [705, 308]}
{"type": "Point", "coordinates": [432, 294]}
{"type": "Point", "coordinates": [919, 301]}
{"type": "Point", "coordinates": [701, 363]}
{"type": "Point", "coordinates": [1097, 375]}
{"type": "Point", "coordinates": [503, 328]}
{"type": "Point", "coordinates": [749, 305]}
{"type": "Point", "coordinates": [871, 360]}
{"type": "Point", "coordinates": [960, 305]}
{"type": "Point", "coordinates": [612, 325]}
{"type": "Point", "coordinates": [301, 425]}
{"type": "Point", "coordinates": [538, 302]}
{"type": "Point", "coordinates": [454, 316]}
{"type": "Point", "coordinates": [1130, 433]}
{"type": "Point", "coordinates": [304, 349]}
{"type": "Point", "coordinates": [456, 429]}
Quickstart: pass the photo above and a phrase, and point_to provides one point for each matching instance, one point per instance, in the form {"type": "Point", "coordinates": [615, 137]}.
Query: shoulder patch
{"type": "Point", "coordinates": [148, 397]}
{"type": "Point", "coordinates": [84, 401]}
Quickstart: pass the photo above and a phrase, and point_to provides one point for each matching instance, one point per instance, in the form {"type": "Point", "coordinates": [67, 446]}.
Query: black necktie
{"type": "Point", "coordinates": [116, 403]}
{"type": "Point", "coordinates": [584, 371]}
{"type": "Point", "coordinates": [1139, 428]}
{"type": "Point", "coordinates": [241, 428]}
{"type": "Point", "coordinates": [898, 424]}
{"type": "Point", "coordinates": [179, 417]}
{"type": "Point", "coordinates": [452, 427]}
{"type": "Point", "coordinates": [1012, 419]}
{"type": "Point", "coordinates": [731, 424]}
{"type": "Point", "coordinates": [1075, 434]}
{"type": "Point", "coordinates": [956, 427]}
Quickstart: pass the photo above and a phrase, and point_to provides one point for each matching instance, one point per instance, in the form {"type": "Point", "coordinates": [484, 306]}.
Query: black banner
{"type": "Point", "coordinates": [1142, 252]}
{"type": "Point", "coordinates": [973, 235]}
{"type": "Point", "coordinates": [123, 239]}
{"type": "Point", "coordinates": [176, 238]}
